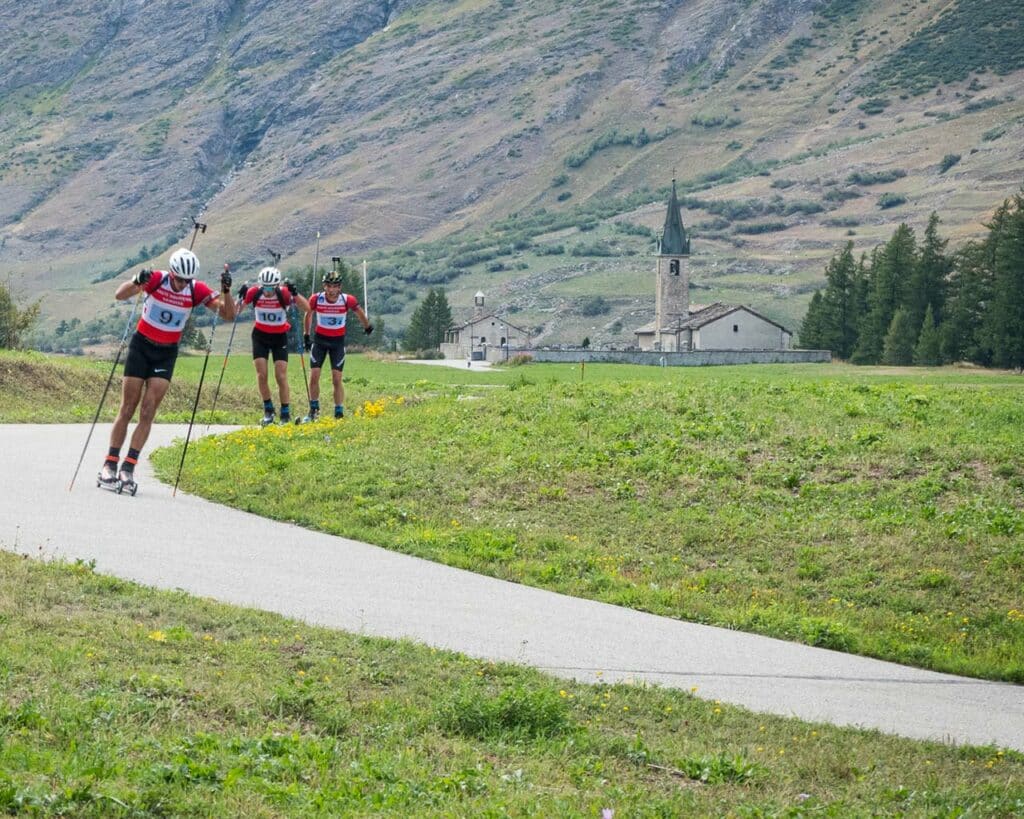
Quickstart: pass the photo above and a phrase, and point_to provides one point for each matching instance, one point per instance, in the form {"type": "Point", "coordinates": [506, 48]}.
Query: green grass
{"type": "Point", "coordinates": [121, 701]}
{"type": "Point", "coordinates": [875, 512]}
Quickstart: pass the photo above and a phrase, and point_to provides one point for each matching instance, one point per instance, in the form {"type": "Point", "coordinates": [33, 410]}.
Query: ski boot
{"type": "Point", "coordinates": [107, 479]}
{"type": "Point", "coordinates": [127, 479]}
{"type": "Point", "coordinates": [314, 415]}
{"type": "Point", "coordinates": [286, 420]}
{"type": "Point", "coordinates": [268, 418]}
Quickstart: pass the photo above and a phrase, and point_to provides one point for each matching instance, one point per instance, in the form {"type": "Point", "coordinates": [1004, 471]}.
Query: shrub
{"type": "Point", "coordinates": [890, 200]}
{"type": "Point", "coordinates": [594, 306]}
{"type": "Point", "coordinates": [875, 177]}
{"type": "Point", "coordinates": [948, 161]}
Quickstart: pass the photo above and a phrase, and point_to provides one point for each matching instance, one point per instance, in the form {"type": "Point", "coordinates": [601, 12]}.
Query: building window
{"type": "Point", "coordinates": [735, 328]}
{"type": "Point", "coordinates": [673, 267]}
{"type": "Point", "coordinates": [483, 340]}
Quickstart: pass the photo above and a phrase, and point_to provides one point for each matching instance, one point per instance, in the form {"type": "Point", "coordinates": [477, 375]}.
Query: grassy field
{"type": "Point", "coordinates": [878, 512]}
{"type": "Point", "coordinates": [874, 511]}
{"type": "Point", "coordinates": [118, 701]}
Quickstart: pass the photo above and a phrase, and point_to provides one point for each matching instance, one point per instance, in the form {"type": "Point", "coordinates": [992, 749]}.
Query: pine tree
{"type": "Point", "coordinates": [928, 353]}
{"type": "Point", "coordinates": [1004, 320]}
{"type": "Point", "coordinates": [838, 315]}
{"type": "Point", "coordinates": [890, 274]}
{"type": "Point", "coordinates": [927, 280]}
{"type": "Point", "coordinates": [811, 326]}
{"type": "Point", "coordinates": [898, 346]}
{"type": "Point", "coordinates": [429, 323]}
{"type": "Point", "coordinates": [968, 290]}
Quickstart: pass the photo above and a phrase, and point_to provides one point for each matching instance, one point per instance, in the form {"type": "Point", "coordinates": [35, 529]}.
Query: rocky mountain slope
{"type": "Point", "coordinates": [418, 133]}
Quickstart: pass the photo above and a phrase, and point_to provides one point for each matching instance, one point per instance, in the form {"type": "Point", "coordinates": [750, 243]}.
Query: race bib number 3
{"type": "Point", "coordinates": [330, 320]}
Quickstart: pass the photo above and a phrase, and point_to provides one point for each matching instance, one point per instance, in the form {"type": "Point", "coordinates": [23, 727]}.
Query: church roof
{"type": "Point", "coordinates": [703, 317]}
{"type": "Point", "coordinates": [673, 237]}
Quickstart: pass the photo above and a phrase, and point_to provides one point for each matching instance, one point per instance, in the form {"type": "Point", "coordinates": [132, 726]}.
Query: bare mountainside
{"type": "Point", "coordinates": [522, 148]}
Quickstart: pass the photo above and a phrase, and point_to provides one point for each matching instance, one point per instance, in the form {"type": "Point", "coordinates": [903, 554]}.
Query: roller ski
{"type": "Point", "coordinates": [126, 477]}
{"type": "Point", "coordinates": [314, 415]}
{"type": "Point", "coordinates": [108, 479]}
{"type": "Point", "coordinates": [268, 418]}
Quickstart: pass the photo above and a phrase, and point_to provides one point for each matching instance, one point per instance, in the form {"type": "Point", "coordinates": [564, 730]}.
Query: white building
{"type": "Point", "coordinates": [676, 327]}
{"type": "Point", "coordinates": [485, 337]}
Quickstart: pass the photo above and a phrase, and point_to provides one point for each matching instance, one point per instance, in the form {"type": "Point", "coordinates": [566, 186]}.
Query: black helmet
{"type": "Point", "coordinates": [334, 277]}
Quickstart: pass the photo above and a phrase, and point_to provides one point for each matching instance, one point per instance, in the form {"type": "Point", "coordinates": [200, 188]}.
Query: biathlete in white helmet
{"type": "Point", "coordinates": [330, 309]}
{"type": "Point", "coordinates": [171, 295]}
{"type": "Point", "coordinates": [271, 298]}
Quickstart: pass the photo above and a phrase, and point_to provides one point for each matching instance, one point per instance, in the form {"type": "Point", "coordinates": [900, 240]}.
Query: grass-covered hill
{"type": "Point", "coordinates": [864, 509]}
{"type": "Point", "coordinates": [868, 510]}
{"type": "Point", "coordinates": [518, 148]}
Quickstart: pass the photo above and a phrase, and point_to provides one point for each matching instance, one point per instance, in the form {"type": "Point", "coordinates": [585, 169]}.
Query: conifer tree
{"type": "Point", "coordinates": [927, 353]}
{"type": "Point", "coordinates": [898, 346]}
{"type": "Point", "coordinates": [1004, 320]}
{"type": "Point", "coordinates": [890, 273]}
{"type": "Point", "coordinates": [429, 323]}
{"type": "Point", "coordinates": [838, 318]}
{"type": "Point", "coordinates": [927, 280]}
{"type": "Point", "coordinates": [811, 327]}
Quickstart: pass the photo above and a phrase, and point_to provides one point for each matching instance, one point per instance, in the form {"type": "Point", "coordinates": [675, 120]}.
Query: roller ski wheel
{"type": "Point", "coordinates": [127, 481]}
{"type": "Point", "coordinates": [109, 480]}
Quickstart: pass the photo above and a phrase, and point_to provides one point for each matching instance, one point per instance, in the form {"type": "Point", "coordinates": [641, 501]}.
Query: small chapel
{"type": "Point", "coordinates": [679, 326]}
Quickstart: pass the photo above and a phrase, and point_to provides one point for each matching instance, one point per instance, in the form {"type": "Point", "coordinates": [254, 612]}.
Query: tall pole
{"type": "Point", "coordinates": [366, 306]}
{"type": "Point", "coordinates": [316, 260]}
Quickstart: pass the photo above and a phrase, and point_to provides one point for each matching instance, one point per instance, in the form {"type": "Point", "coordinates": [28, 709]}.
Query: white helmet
{"type": "Point", "coordinates": [184, 263]}
{"type": "Point", "coordinates": [270, 277]}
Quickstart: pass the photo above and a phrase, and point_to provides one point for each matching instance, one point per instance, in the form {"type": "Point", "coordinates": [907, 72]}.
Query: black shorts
{"type": "Point", "coordinates": [270, 344]}
{"type": "Point", "coordinates": [147, 359]}
{"type": "Point", "coordinates": [322, 347]}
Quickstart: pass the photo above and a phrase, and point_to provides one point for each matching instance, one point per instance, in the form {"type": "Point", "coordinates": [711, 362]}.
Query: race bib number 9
{"type": "Point", "coordinates": [164, 316]}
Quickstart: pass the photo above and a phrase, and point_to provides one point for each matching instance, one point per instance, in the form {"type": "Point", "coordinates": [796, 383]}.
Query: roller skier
{"type": "Point", "coordinates": [170, 297]}
{"type": "Point", "coordinates": [330, 307]}
{"type": "Point", "coordinates": [271, 297]}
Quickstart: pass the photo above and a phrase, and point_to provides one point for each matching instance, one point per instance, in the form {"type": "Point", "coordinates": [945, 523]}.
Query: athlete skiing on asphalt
{"type": "Point", "coordinates": [331, 308]}
{"type": "Point", "coordinates": [270, 301]}
{"type": "Point", "coordinates": [171, 295]}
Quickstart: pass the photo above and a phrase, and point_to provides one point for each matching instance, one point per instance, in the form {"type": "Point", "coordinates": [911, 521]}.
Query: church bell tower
{"type": "Point", "coordinates": [672, 293]}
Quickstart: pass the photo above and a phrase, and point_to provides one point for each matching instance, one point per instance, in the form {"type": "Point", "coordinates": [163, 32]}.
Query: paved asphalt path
{"type": "Point", "coordinates": [208, 550]}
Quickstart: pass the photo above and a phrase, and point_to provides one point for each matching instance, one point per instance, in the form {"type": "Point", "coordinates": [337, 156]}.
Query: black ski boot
{"type": "Point", "coordinates": [268, 418]}
{"type": "Point", "coordinates": [107, 478]}
{"type": "Point", "coordinates": [127, 479]}
{"type": "Point", "coordinates": [314, 414]}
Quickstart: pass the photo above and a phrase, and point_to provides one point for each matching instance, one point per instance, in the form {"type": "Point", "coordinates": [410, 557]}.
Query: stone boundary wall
{"type": "Point", "coordinates": [695, 358]}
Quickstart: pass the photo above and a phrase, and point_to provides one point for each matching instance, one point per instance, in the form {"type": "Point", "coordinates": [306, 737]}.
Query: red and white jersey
{"type": "Point", "coordinates": [165, 311]}
{"type": "Point", "coordinates": [271, 312]}
{"type": "Point", "coordinates": [331, 316]}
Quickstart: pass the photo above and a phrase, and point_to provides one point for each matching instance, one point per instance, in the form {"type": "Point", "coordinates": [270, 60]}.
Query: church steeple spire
{"type": "Point", "coordinates": [673, 238]}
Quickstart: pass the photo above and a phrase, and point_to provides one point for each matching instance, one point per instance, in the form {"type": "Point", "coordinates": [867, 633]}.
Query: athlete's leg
{"type": "Point", "coordinates": [131, 392]}
{"type": "Point", "coordinates": [314, 383]}
{"type": "Point", "coordinates": [262, 382]}
{"type": "Point", "coordinates": [281, 376]}
{"type": "Point", "coordinates": [156, 389]}
{"type": "Point", "coordinates": [339, 388]}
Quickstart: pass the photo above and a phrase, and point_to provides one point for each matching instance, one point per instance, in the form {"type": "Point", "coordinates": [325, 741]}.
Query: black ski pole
{"type": "Point", "coordinates": [224, 365]}
{"type": "Point", "coordinates": [106, 389]}
{"type": "Point", "coordinates": [197, 227]}
{"type": "Point", "coordinates": [302, 349]}
{"type": "Point", "coordinates": [195, 406]}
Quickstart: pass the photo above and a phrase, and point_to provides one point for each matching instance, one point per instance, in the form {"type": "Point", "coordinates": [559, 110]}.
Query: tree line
{"type": "Point", "coordinates": [912, 302]}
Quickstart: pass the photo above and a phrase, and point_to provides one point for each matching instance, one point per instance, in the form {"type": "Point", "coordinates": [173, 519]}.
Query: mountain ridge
{"type": "Point", "coordinates": [384, 123]}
